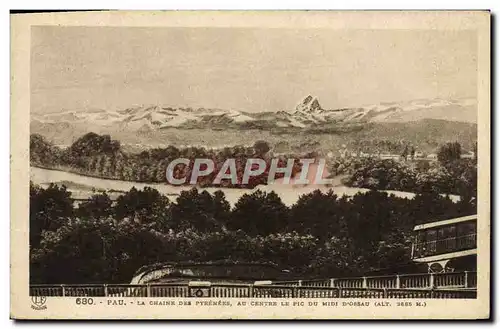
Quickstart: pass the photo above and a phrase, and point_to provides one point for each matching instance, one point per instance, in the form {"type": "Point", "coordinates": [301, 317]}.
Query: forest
{"type": "Point", "coordinates": [100, 156]}
{"type": "Point", "coordinates": [105, 241]}
{"type": "Point", "coordinates": [321, 235]}
{"type": "Point", "coordinates": [451, 174]}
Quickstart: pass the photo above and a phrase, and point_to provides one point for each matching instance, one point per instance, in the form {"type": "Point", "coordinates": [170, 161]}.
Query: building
{"type": "Point", "coordinates": [215, 271]}
{"type": "Point", "coordinates": [432, 156]}
{"type": "Point", "coordinates": [468, 155]}
{"type": "Point", "coordinates": [447, 245]}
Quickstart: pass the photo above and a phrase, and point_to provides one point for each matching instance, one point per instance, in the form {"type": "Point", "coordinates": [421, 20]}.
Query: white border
{"type": "Point", "coordinates": [186, 4]}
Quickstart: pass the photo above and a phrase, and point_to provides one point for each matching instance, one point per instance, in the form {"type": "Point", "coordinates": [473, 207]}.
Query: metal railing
{"type": "Point", "coordinates": [401, 281]}
{"type": "Point", "coordinates": [127, 290]}
{"type": "Point", "coordinates": [235, 291]}
{"type": "Point", "coordinates": [243, 291]}
{"type": "Point", "coordinates": [426, 285]}
{"type": "Point", "coordinates": [404, 293]}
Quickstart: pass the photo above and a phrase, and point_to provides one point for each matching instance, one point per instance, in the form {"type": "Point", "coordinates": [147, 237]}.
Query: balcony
{"type": "Point", "coordinates": [444, 246]}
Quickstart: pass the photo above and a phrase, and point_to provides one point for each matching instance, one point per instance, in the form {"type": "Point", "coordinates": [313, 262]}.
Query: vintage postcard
{"type": "Point", "coordinates": [250, 165]}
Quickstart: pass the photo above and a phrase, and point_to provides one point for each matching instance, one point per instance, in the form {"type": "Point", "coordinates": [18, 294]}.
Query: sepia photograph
{"type": "Point", "coordinates": [224, 167]}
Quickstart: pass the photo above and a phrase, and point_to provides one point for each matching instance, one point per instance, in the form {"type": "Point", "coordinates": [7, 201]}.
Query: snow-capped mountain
{"type": "Point", "coordinates": [465, 110]}
{"type": "Point", "coordinates": [308, 113]}
{"type": "Point", "coordinates": [309, 105]}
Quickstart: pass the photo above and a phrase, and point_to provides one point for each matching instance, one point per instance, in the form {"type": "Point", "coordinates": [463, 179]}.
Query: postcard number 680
{"type": "Point", "coordinates": [84, 301]}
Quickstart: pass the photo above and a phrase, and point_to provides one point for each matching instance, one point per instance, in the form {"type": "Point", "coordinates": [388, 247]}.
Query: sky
{"type": "Point", "coordinates": [248, 69]}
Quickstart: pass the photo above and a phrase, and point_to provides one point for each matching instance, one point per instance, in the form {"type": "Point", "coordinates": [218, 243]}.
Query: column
{"type": "Point", "coordinates": [332, 283]}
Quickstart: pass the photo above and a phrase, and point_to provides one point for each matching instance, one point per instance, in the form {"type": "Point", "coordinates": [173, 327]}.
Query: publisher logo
{"type": "Point", "coordinates": [38, 302]}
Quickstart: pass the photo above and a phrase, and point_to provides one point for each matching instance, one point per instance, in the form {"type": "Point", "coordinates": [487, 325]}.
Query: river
{"type": "Point", "coordinates": [82, 186]}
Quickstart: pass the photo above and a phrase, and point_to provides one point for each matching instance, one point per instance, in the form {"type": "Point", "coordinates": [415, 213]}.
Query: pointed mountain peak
{"type": "Point", "coordinates": [307, 100]}
{"type": "Point", "coordinates": [309, 104]}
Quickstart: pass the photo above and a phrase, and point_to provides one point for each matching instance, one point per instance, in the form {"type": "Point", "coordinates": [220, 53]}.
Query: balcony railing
{"type": "Point", "coordinates": [443, 246]}
{"type": "Point", "coordinates": [449, 285]}
{"type": "Point", "coordinates": [251, 291]}
{"type": "Point", "coordinates": [401, 281]}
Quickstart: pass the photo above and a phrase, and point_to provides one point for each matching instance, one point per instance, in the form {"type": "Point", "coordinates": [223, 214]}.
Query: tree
{"type": "Point", "coordinates": [199, 211]}
{"type": "Point", "coordinates": [97, 206]}
{"type": "Point", "coordinates": [43, 152]}
{"type": "Point", "coordinates": [317, 214]}
{"type": "Point", "coordinates": [93, 144]}
{"type": "Point", "coordinates": [259, 213]}
{"type": "Point", "coordinates": [222, 208]}
{"type": "Point", "coordinates": [464, 173]}
{"type": "Point", "coordinates": [71, 254]}
{"type": "Point", "coordinates": [367, 217]}
{"type": "Point", "coordinates": [261, 147]}
{"type": "Point", "coordinates": [412, 152]}
{"type": "Point", "coordinates": [95, 251]}
{"type": "Point", "coordinates": [449, 152]}
{"type": "Point", "coordinates": [146, 206]}
{"type": "Point", "coordinates": [290, 250]}
{"type": "Point", "coordinates": [405, 152]}
{"type": "Point", "coordinates": [338, 257]}
{"type": "Point", "coordinates": [50, 208]}
{"type": "Point", "coordinates": [430, 206]}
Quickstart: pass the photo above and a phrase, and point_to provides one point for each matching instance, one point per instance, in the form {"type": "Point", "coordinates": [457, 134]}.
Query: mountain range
{"type": "Point", "coordinates": [306, 115]}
